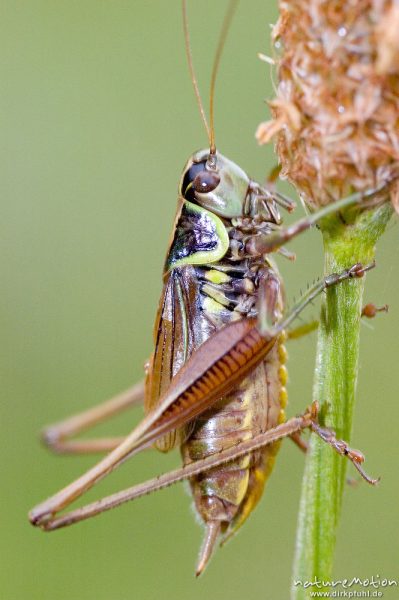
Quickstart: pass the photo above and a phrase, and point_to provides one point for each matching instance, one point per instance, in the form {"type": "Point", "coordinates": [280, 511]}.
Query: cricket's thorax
{"type": "Point", "coordinates": [227, 290]}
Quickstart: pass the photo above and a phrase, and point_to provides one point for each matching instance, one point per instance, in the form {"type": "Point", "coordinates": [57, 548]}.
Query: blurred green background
{"type": "Point", "coordinates": [98, 119]}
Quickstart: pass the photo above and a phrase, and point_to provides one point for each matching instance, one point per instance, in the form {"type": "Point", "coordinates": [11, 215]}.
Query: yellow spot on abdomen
{"type": "Point", "coordinates": [283, 375]}
{"type": "Point", "coordinates": [283, 397]}
{"type": "Point", "coordinates": [217, 276]}
{"type": "Point", "coordinates": [212, 306]}
{"type": "Point", "coordinates": [282, 353]}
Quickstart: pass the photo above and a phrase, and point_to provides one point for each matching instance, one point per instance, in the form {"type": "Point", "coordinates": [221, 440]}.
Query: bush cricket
{"type": "Point", "coordinates": [215, 384]}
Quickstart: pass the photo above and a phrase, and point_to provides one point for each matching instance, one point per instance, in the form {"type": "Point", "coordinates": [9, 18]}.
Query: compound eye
{"type": "Point", "coordinates": [206, 181]}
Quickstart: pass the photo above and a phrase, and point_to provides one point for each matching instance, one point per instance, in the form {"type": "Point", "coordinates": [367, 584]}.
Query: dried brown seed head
{"type": "Point", "coordinates": [336, 115]}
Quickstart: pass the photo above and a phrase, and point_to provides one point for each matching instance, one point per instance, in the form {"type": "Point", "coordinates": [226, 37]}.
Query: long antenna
{"type": "Point", "coordinates": [222, 40]}
{"type": "Point", "coordinates": [192, 72]}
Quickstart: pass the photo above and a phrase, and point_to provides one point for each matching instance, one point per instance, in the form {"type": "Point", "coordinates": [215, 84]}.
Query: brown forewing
{"type": "Point", "coordinates": [175, 339]}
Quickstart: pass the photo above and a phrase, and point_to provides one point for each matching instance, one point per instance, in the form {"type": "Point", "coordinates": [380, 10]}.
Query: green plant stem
{"type": "Point", "coordinates": [334, 388]}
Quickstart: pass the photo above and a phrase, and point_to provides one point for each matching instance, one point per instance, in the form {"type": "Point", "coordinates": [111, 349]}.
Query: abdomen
{"type": "Point", "coordinates": [228, 493]}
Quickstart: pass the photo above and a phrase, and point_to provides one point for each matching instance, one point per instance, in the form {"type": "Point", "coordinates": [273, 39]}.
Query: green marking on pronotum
{"type": "Point", "coordinates": [207, 222]}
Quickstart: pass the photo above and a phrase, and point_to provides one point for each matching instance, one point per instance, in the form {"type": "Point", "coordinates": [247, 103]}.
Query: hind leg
{"type": "Point", "coordinates": [57, 436]}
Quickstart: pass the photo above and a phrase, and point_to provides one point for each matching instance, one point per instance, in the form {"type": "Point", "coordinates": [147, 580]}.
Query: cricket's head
{"type": "Point", "coordinates": [215, 183]}
{"type": "Point", "coordinates": [209, 179]}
